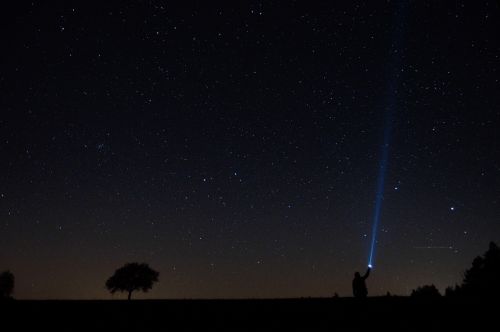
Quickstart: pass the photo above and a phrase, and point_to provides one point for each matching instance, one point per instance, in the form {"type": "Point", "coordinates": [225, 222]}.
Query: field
{"type": "Point", "coordinates": [326, 314]}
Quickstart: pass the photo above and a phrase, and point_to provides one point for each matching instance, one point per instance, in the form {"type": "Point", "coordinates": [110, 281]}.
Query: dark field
{"type": "Point", "coordinates": [333, 314]}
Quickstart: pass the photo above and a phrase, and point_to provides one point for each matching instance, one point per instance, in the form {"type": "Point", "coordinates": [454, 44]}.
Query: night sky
{"type": "Point", "coordinates": [236, 146]}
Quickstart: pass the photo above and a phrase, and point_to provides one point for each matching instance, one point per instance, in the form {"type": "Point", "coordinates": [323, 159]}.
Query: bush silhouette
{"type": "Point", "coordinates": [6, 284]}
{"type": "Point", "coordinates": [427, 291]}
{"type": "Point", "coordinates": [132, 277]}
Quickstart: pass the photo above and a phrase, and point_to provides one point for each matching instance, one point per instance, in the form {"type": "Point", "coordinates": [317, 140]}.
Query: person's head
{"type": "Point", "coordinates": [357, 275]}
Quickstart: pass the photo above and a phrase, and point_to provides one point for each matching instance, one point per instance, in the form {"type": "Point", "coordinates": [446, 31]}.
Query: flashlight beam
{"type": "Point", "coordinates": [398, 37]}
{"type": "Point", "coordinates": [379, 197]}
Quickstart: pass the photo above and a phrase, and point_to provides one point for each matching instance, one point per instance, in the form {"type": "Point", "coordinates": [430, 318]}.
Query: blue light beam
{"type": "Point", "coordinates": [400, 15]}
{"type": "Point", "coordinates": [379, 196]}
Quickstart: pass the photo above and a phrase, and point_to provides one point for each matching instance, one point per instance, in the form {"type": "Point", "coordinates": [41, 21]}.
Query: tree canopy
{"type": "Point", "coordinates": [132, 277]}
{"type": "Point", "coordinates": [482, 278]}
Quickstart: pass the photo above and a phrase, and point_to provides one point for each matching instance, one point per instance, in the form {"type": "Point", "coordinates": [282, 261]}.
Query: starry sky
{"type": "Point", "coordinates": [235, 147]}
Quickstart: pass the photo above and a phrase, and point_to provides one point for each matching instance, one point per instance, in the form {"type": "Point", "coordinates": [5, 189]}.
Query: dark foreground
{"type": "Point", "coordinates": [336, 314]}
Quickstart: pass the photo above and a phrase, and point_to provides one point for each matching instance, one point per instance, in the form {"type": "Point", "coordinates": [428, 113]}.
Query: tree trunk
{"type": "Point", "coordinates": [129, 295]}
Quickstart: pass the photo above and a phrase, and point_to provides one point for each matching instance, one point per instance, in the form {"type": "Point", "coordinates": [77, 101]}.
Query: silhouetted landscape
{"type": "Point", "coordinates": [471, 305]}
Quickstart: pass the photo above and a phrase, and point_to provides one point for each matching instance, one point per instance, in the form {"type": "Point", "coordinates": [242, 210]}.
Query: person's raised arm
{"type": "Point", "coordinates": [367, 273]}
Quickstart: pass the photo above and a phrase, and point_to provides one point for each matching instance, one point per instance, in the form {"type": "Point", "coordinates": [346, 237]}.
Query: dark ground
{"type": "Point", "coordinates": [329, 314]}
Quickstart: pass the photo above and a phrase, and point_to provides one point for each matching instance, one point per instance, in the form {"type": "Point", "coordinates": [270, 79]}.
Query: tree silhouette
{"type": "Point", "coordinates": [6, 284]}
{"type": "Point", "coordinates": [427, 291]}
{"type": "Point", "coordinates": [483, 278]}
{"type": "Point", "coordinates": [132, 277]}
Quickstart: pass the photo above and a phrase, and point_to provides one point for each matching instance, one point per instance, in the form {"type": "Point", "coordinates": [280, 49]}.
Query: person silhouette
{"type": "Point", "coordinates": [358, 284]}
